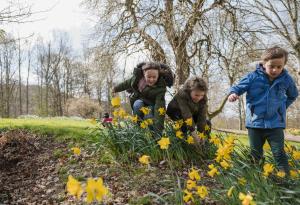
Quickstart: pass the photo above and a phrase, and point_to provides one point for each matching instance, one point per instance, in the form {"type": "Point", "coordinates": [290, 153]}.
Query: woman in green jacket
{"type": "Point", "coordinates": [190, 104]}
{"type": "Point", "coordinates": [148, 89]}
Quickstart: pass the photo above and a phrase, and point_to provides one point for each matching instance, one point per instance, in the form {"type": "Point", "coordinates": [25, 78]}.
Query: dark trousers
{"type": "Point", "coordinates": [275, 138]}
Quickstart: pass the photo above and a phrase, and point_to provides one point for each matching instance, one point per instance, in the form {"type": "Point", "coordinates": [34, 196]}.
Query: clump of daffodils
{"type": "Point", "coordinates": [192, 188]}
{"type": "Point", "coordinates": [95, 189]}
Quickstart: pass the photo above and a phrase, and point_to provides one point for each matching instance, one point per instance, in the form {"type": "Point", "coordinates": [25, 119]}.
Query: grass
{"type": "Point", "coordinates": [244, 140]}
{"type": "Point", "coordinates": [61, 128]}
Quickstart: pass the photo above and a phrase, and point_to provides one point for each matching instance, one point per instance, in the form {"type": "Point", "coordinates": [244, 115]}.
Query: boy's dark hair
{"type": "Point", "coordinates": [274, 52]}
{"type": "Point", "coordinates": [195, 83]}
{"type": "Point", "coordinates": [106, 115]}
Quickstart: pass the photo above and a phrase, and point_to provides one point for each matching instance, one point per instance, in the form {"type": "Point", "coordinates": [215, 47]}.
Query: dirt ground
{"type": "Point", "coordinates": [28, 171]}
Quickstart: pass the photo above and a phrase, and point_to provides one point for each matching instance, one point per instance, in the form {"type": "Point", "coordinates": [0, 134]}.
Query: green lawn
{"type": "Point", "coordinates": [244, 139]}
{"type": "Point", "coordinates": [62, 128]}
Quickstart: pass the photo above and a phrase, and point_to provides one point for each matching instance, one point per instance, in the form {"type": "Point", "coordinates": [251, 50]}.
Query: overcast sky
{"type": "Point", "coordinates": [66, 15]}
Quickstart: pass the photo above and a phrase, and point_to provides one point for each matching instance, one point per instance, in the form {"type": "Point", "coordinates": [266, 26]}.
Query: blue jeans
{"type": "Point", "coordinates": [137, 105]}
{"type": "Point", "coordinates": [275, 138]}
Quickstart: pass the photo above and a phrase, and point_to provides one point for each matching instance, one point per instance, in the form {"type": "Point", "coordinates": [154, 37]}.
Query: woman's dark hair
{"type": "Point", "coordinates": [151, 66]}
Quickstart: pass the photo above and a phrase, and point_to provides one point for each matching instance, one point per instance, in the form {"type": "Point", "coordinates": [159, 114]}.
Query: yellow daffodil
{"type": "Point", "coordinates": [74, 187]}
{"type": "Point", "coordinates": [144, 124]}
{"type": "Point", "coordinates": [178, 124]}
{"type": "Point", "coordinates": [225, 164]}
{"type": "Point", "coordinates": [145, 159]}
{"type": "Point", "coordinates": [201, 135]}
{"type": "Point", "coordinates": [190, 184]}
{"type": "Point", "coordinates": [246, 199]}
{"type": "Point", "coordinates": [281, 174]}
{"type": "Point", "coordinates": [134, 118]}
{"type": "Point", "coordinates": [296, 155]}
{"type": "Point", "coordinates": [266, 146]}
{"type": "Point", "coordinates": [268, 168]}
{"type": "Point", "coordinates": [229, 192]}
{"type": "Point", "coordinates": [190, 140]}
{"type": "Point", "coordinates": [224, 152]}
{"type": "Point", "coordinates": [189, 122]}
{"type": "Point", "coordinates": [116, 101]}
{"type": "Point", "coordinates": [213, 171]}
{"type": "Point", "coordinates": [149, 121]}
{"type": "Point", "coordinates": [215, 140]}
{"type": "Point", "coordinates": [95, 190]}
{"type": "Point", "coordinates": [194, 174]}
{"type": "Point", "coordinates": [188, 196]}
{"type": "Point", "coordinates": [122, 113]}
{"type": "Point", "coordinates": [162, 111]}
{"type": "Point", "coordinates": [242, 181]}
{"type": "Point", "coordinates": [288, 148]}
{"type": "Point", "coordinates": [164, 143]}
{"type": "Point", "coordinates": [202, 191]}
{"type": "Point", "coordinates": [76, 150]}
{"type": "Point", "coordinates": [206, 128]}
{"type": "Point", "coordinates": [145, 110]}
{"type": "Point", "coordinates": [294, 174]}
{"type": "Point", "coordinates": [179, 134]}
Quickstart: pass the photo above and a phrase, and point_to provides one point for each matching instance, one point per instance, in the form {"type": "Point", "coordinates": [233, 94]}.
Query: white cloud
{"type": "Point", "coordinates": [50, 15]}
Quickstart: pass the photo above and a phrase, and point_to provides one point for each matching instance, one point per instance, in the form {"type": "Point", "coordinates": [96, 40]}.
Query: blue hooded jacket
{"type": "Point", "coordinates": [266, 101]}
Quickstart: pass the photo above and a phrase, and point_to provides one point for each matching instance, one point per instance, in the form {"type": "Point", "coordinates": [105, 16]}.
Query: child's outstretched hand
{"type": "Point", "coordinates": [233, 97]}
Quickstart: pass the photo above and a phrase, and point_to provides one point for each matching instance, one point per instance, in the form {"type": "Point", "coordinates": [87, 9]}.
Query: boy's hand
{"type": "Point", "coordinates": [233, 97]}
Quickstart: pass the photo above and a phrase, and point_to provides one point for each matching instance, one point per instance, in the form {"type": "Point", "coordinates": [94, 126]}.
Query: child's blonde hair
{"type": "Point", "coordinates": [274, 52]}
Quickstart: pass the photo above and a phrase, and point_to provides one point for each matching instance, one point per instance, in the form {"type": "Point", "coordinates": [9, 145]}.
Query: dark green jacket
{"type": "Point", "coordinates": [183, 101]}
{"type": "Point", "coordinates": [151, 95]}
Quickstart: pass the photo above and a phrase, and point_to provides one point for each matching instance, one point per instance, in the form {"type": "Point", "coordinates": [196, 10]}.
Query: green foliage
{"type": "Point", "coordinates": [265, 190]}
{"type": "Point", "coordinates": [128, 141]}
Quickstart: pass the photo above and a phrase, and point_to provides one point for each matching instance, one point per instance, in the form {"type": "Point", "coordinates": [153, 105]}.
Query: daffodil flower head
{"type": "Point", "coordinates": [164, 143]}
{"type": "Point", "coordinates": [202, 191]}
{"type": "Point", "coordinates": [116, 101]}
{"type": "Point", "coordinates": [281, 174]}
{"type": "Point", "coordinates": [188, 196]}
{"type": "Point", "coordinates": [145, 159]}
{"type": "Point", "coordinates": [190, 184]}
{"type": "Point", "coordinates": [179, 134]}
{"type": "Point", "coordinates": [230, 190]}
{"type": "Point", "coordinates": [76, 150]}
{"type": "Point", "coordinates": [296, 155]}
{"type": "Point", "coordinates": [246, 199]}
{"type": "Point", "coordinates": [145, 110]}
{"type": "Point", "coordinates": [134, 118]}
{"type": "Point", "coordinates": [74, 187]}
{"type": "Point", "coordinates": [189, 122]}
{"type": "Point", "coordinates": [201, 135]}
{"type": "Point", "coordinates": [190, 140]}
{"type": "Point", "coordinates": [162, 111]}
{"type": "Point", "coordinates": [268, 168]}
{"type": "Point", "coordinates": [194, 174]}
{"type": "Point", "coordinates": [95, 190]}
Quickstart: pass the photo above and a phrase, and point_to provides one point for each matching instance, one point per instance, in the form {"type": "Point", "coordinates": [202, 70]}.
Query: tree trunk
{"type": "Point", "coordinates": [20, 78]}
{"type": "Point", "coordinates": [27, 83]}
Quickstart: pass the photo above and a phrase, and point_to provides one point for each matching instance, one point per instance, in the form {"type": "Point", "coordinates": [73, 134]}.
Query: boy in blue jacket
{"type": "Point", "coordinates": [270, 91]}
